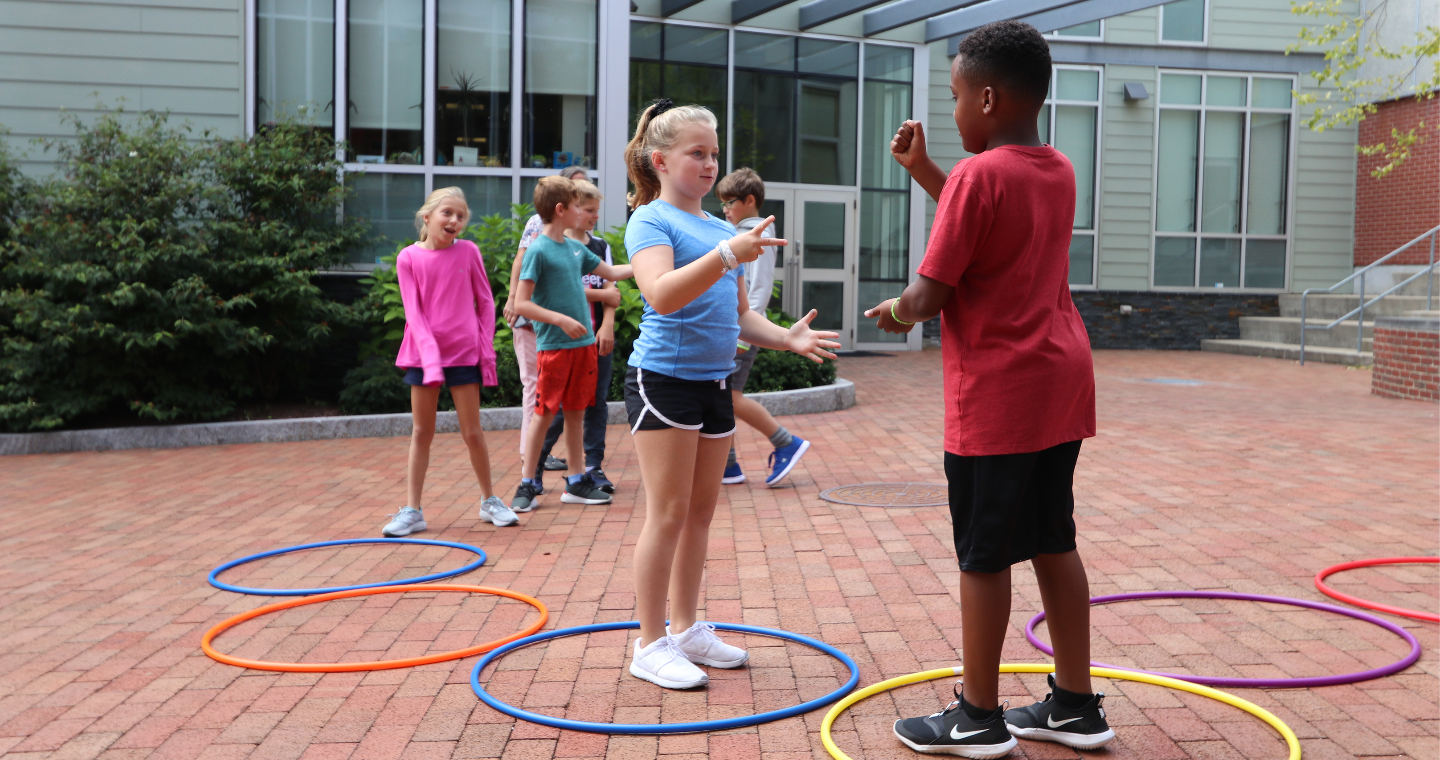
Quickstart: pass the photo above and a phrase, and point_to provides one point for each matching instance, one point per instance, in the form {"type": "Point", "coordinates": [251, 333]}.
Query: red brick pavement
{"type": "Point", "coordinates": [1250, 482]}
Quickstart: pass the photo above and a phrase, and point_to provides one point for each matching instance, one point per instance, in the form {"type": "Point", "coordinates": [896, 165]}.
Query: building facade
{"type": "Point", "coordinates": [1195, 178]}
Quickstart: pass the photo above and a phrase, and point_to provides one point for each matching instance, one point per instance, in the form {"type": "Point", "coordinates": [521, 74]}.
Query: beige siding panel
{"type": "Point", "coordinates": [58, 15]}
{"type": "Point", "coordinates": [53, 97]}
{"type": "Point", "coordinates": [1127, 179]}
{"type": "Point", "coordinates": [134, 45]}
{"type": "Point", "coordinates": [38, 122]}
{"type": "Point", "coordinates": [187, 21]}
{"type": "Point", "coordinates": [1259, 25]}
{"type": "Point", "coordinates": [181, 4]}
{"type": "Point", "coordinates": [941, 137]}
{"type": "Point", "coordinates": [1138, 28]}
{"type": "Point", "coordinates": [1324, 218]}
{"type": "Point", "coordinates": [124, 73]}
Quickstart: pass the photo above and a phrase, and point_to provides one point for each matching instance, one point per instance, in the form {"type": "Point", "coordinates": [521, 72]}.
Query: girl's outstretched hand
{"type": "Point", "coordinates": [748, 245]}
{"type": "Point", "coordinates": [811, 344]}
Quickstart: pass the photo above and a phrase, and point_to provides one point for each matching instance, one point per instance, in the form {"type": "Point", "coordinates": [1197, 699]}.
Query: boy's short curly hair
{"type": "Point", "coordinates": [1010, 52]}
{"type": "Point", "coordinates": [740, 183]}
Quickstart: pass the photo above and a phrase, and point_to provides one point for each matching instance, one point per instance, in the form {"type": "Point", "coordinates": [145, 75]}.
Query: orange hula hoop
{"type": "Point", "coordinates": [346, 667]}
{"type": "Point", "coordinates": [1367, 604]}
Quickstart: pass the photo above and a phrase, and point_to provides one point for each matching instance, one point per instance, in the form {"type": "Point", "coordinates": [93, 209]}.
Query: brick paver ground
{"type": "Point", "coordinates": [1251, 481]}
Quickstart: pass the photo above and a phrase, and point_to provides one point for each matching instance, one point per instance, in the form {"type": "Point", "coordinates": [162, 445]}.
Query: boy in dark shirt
{"type": "Point", "coordinates": [1019, 389]}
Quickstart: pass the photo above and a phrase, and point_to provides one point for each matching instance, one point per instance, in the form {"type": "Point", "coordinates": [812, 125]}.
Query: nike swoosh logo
{"type": "Point", "coordinates": [1050, 720]}
{"type": "Point", "coordinates": [957, 736]}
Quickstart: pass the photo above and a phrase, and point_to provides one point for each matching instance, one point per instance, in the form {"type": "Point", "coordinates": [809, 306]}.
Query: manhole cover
{"type": "Point", "coordinates": [889, 495]}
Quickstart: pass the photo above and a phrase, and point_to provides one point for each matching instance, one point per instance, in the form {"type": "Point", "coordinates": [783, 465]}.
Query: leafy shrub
{"type": "Point", "coordinates": [168, 275]}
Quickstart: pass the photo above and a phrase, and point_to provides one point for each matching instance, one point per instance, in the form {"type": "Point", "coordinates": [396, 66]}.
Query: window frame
{"type": "Point", "coordinates": [1204, 29]}
{"type": "Point", "coordinates": [1051, 100]}
{"type": "Point", "coordinates": [1244, 235]}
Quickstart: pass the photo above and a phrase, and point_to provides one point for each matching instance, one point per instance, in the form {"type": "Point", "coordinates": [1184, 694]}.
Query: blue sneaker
{"type": "Point", "coordinates": [784, 459]}
{"type": "Point", "coordinates": [733, 474]}
{"type": "Point", "coordinates": [601, 482]}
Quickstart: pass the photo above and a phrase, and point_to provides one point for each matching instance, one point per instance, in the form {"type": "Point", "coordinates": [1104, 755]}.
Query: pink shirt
{"type": "Point", "coordinates": [449, 311]}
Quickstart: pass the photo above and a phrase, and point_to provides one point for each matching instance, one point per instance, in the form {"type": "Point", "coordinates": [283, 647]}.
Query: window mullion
{"type": "Point", "coordinates": [1245, 180]}
{"type": "Point", "coordinates": [428, 95]}
{"type": "Point", "coordinates": [1200, 183]}
{"type": "Point", "coordinates": [517, 91]}
{"type": "Point", "coordinates": [729, 98]}
{"type": "Point", "coordinates": [342, 75]}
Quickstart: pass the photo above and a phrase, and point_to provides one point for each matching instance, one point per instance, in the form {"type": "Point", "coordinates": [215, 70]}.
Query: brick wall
{"type": "Point", "coordinates": [1407, 359]}
{"type": "Point", "coordinates": [1392, 211]}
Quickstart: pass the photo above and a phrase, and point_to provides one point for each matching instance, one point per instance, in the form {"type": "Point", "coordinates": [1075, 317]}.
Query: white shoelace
{"type": "Point", "coordinates": [669, 646]}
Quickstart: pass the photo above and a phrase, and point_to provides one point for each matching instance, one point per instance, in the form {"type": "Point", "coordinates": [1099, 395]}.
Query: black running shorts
{"type": "Point", "coordinates": [1008, 508]}
{"type": "Point", "coordinates": [655, 402]}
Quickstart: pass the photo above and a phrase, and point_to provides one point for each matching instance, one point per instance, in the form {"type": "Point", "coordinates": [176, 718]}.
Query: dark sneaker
{"type": "Point", "coordinates": [952, 732]}
{"type": "Point", "coordinates": [1050, 721]}
{"type": "Point", "coordinates": [584, 491]}
{"type": "Point", "coordinates": [524, 500]}
{"type": "Point", "coordinates": [601, 482]}
{"type": "Point", "coordinates": [784, 459]}
{"type": "Point", "coordinates": [733, 474]}
{"type": "Point", "coordinates": [554, 463]}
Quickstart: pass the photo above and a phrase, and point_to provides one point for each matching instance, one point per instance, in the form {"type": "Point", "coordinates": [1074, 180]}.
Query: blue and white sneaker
{"type": "Point", "coordinates": [733, 474]}
{"type": "Point", "coordinates": [601, 482]}
{"type": "Point", "coordinates": [408, 520]}
{"type": "Point", "coordinates": [784, 459]}
{"type": "Point", "coordinates": [494, 510]}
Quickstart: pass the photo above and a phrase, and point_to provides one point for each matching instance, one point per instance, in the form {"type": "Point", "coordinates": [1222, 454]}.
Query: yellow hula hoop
{"type": "Point", "coordinates": [1124, 675]}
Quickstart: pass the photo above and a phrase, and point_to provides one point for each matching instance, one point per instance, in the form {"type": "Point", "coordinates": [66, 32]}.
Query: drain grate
{"type": "Point", "coordinates": [889, 495]}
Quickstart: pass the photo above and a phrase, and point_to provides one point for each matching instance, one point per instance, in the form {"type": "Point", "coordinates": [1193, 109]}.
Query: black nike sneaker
{"type": "Point", "coordinates": [953, 732]}
{"type": "Point", "coordinates": [1050, 721]}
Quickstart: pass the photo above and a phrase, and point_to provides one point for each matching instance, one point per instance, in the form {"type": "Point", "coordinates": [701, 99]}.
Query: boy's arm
{"type": "Point", "coordinates": [614, 273]}
{"type": "Point", "coordinates": [509, 308]}
{"type": "Point", "coordinates": [908, 149]}
{"type": "Point", "coordinates": [922, 301]}
{"type": "Point", "coordinates": [534, 311]}
{"type": "Point", "coordinates": [605, 336]}
{"type": "Point", "coordinates": [608, 294]}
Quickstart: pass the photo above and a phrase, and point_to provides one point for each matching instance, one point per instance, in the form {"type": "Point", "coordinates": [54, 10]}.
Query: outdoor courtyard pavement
{"type": "Point", "coordinates": [1250, 481]}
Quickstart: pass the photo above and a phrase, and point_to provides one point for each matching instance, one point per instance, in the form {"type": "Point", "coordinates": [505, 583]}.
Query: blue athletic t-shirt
{"type": "Point", "coordinates": [697, 342]}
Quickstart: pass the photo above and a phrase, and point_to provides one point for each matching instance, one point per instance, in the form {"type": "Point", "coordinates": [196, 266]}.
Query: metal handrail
{"type": "Point", "coordinates": [1429, 271]}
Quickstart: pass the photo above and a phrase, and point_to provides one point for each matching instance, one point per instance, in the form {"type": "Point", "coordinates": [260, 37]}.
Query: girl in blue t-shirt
{"type": "Point", "coordinates": [687, 267]}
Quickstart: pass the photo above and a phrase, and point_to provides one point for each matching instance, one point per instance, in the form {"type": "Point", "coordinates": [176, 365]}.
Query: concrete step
{"type": "Point", "coordinates": [1423, 314]}
{"type": "Point", "coordinates": [1324, 354]}
{"type": "Point", "coordinates": [1329, 306]}
{"type": "Point", "coordinates": [1287, 330]}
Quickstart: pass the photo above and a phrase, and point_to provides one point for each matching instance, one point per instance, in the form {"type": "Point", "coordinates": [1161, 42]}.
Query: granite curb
{"type": "Point", "coordinates": [829, 398]}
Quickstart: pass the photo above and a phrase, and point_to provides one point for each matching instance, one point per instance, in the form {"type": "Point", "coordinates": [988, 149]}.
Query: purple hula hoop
{"type": "Point", "coordinates": [1253, 683]}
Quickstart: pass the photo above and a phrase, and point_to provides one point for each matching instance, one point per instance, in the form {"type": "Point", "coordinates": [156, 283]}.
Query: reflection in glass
{"type": "Point", "coordinates": [1269, 148]}
{"type": "Point", "coordinates": [696, 44]}
{"type": "Point", "coordinates": [1271, 93]}
{"type": "Point", "coordinates": [1044, 124]}
{"type": "Point", "coordinates": [837, 59]}
{"type": "Point", "coordinates": [485, 195]}
{"type": "Point", "coordinates": [824, 235]}
{"type": "Point", "coordinates": [887, 106]}
{"type": "Point", "coordinates": [388, 202]}
{"type": "Point", "coordinates": [386, 48]}
{"type": "Point", "coordinates": [828, 298]}
{"type": "Point", "coordinates": [472, 73]}
{"type": "Point", "coordinates": [884, 264]}
{"type": "Point", "coordinates": [1183, 21]}
{"type": "Point", "coordinates": [1265, 263]}
{"type": "Point", "coordinates": [1075, 137]}
{"type": "Point", "coordinates": [1175, 262]}
{"type": "Point", "coordinates": [701, 81]}
{"type": "Point", "coordinates": [765, 124]}
{"type": "Point", "coordinates": [1091, 29]}
{"type": "Point", "coordinates": [765, 51]}
{"type": "Point", "coordinates": [1077, 84]}
{"type": "Point", "coordinates": [645, 40]}
{"type": "Point", "coordinates": [1178, 170]}
{"type": "Point", "coordinates": [560, 52]}
{"type": "Point", "coordinates": [871, 292]}
{"type": "Point", "coordinates": [295, 60]}
{"type": "Point", "coordinates": [1225, 91]}
{"type": "Point", "coordinates": [1220, 263]}
{"type": "Point", "coordinates": [1082, 260]}
{"type": "Point", "coordinates": [888, 63]}
{"type": "Point", "coordinates": [827, 132]}
{"type": "Point", "coordinates": [1180, 89]}
{"type": "Point", "coordinates": [1224, 152]}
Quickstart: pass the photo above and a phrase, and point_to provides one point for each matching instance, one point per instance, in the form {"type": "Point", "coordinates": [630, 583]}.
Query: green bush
{"type": "Point", "coordinates": [167, 275]}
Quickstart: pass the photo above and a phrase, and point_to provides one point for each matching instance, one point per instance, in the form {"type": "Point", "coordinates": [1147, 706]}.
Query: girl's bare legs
{"type": "Point", "coordinates": [467, 408]}
{"type": "Point", "coordinates": [667, 468]}
{"type": "Point", "coordinates": [423, 400]}
{"type": "Point", "coordinates": [688, 569]}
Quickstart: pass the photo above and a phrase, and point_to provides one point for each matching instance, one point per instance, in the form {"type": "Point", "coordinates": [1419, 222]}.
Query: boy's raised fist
{"type": "Point", "coordinates": [908, 145]}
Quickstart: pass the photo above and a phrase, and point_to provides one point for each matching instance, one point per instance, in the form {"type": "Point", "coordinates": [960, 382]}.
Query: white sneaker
{"type": "Point", "coordinates": [702, 647]}
{"type": "Point", "coordinates": [408, 520]}
{"type": "Point", "coordinates": [494, 510]}
{"type": "Point", "coordinates": [662, 663]}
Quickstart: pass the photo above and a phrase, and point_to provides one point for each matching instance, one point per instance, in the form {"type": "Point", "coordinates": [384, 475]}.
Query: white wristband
{"type": "Point", "coordinates": [727, 257]}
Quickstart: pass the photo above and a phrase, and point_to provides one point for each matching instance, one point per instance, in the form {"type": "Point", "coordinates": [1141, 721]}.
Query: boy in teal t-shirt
{"type": "Point", "coordinates": [551, 294]}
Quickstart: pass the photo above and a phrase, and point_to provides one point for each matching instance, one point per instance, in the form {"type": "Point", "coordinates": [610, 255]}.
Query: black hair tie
{"type": "Point", "coordinates": [661, 106]}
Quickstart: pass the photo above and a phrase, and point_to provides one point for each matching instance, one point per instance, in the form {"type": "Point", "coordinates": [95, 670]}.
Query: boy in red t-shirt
{"type": "Point", "coordinates": [1019, 389]}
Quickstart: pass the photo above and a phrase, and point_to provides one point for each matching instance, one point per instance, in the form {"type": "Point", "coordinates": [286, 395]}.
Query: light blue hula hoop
{"type": "Point", "coordinates": [217, 583]}
{"type": "Point", "coordinates": [662, 728]}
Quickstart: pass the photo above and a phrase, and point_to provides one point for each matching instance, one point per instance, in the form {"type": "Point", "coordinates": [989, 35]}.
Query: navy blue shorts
{"type": "Point", "coordinates": [453, 376]}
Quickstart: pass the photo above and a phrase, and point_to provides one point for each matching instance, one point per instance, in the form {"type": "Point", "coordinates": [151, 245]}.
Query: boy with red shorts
{"type": "Point", "coordinates": [551, 294]}
{"type": "Point", "coordinates": [1019, 389]}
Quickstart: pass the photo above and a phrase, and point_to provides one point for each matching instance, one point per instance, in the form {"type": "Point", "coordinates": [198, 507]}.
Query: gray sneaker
{"type": "Point", "coordinates": [524, 500]}
{"type": "Point", "coordinates": [408, 520]}
{"type": "Point", "coordinates": [584, 491]}
{"type": "Point", "coordinates": [494, 510]}
{"type": "Point", "coordinates": [554, 463]}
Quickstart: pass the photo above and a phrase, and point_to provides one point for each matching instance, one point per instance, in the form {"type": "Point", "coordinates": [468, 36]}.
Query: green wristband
{"type": "Point", "coordinates": [892, 313]}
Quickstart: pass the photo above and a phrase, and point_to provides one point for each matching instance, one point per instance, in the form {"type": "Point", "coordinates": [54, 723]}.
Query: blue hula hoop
{"type": "Point", "coordinates": [662, 728]}
{"type": "Point", "coordinates": [217, 583]}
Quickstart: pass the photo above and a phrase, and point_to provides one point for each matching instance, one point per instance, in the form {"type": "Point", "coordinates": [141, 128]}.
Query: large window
{"type": "Point", "coordinates": [560, 60]}
{"type": "Point", "coordinates": [295, 61]}
{"type": "Point", "coordinates": [1070, 120]}
{"type": "Point", "coordinates": [1183, 22]}
{"type": "Point", "coordinates": [684, 63]}
{"type": "Point", "coordinates": [472, 76]}
{"type": "Point", "coordinates": [795, 108]}
{"type": "Point", "coordinates": [1222, 188]}
{"type": "Point", "coordinates": [884, 266]}
{"type": "Point", "coordinates": [386, 81]}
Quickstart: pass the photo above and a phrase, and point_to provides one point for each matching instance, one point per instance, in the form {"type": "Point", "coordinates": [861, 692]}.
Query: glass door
{"type": "Point", "coordinates": [819, 263]}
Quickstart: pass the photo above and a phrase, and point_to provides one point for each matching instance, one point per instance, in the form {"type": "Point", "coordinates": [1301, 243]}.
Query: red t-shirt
{"type": "Point", "coordinates": [1018, 372]}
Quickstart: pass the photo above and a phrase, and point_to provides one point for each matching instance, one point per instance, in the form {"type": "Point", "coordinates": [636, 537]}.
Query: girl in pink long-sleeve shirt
{"type": "Point", "coordinates": [449, 339]}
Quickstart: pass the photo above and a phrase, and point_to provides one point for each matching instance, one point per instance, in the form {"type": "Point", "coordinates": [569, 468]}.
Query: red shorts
{"type": "Point", "coordinates": [567, 379]}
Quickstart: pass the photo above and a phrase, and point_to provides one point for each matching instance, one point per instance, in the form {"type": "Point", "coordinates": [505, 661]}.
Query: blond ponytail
{"type": "Point", "coordinates": [657, 132]}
